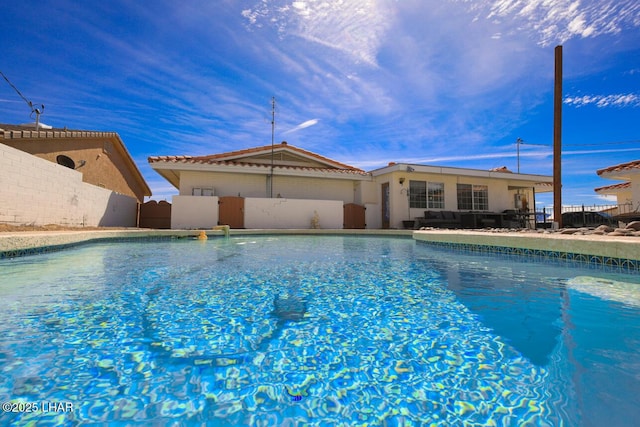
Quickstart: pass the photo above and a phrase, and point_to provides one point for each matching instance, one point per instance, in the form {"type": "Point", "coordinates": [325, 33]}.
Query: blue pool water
{"type": "Point", "coordinates": [315, 331]}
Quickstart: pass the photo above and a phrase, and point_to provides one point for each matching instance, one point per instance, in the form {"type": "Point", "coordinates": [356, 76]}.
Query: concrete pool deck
{"type": "Point", "coordinates": [604, 249]}
{"type": "Point", "coordinates": [623, 247]}
{"type": "Point", "coordinates": [16, 243]}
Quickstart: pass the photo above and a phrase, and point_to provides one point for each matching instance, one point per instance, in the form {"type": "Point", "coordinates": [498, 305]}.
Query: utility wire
{"type": "Point", "coordinates": [34, 110]}
{"type": "Point", "coordinates": [29, 103]}
{"type": "Point", "coordinates": [633, 141]}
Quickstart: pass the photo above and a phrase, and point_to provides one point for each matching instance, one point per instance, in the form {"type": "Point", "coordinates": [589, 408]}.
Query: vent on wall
{"type": "Point", "coordinates": [203, 191]}
{"type": "Point", "coordinates": [66, 161]}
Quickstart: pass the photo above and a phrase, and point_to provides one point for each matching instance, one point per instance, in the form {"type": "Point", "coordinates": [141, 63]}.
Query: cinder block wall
{"type": "Point", "coordinates": [36, 191]}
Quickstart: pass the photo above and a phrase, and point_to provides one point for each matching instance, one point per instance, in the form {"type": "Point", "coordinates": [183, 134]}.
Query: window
{"type": "Point", "coordinates": [417, 194]}
{"type": "Point", "coordinates": [465, 197]}
{"type": "Point", "coordinates": [435, 195]}
{"type": "Point", "coordinates": [473, 197]}
{"type": "Point", "coordinates": [202, 191]}
{"type": "Point", "coordinates": [480, 198]}
{"type": "Point", "coordinates": [424, 194]}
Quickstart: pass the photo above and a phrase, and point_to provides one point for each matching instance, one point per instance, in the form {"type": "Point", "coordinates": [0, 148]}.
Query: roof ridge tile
{"type": "Point", "coordinates": [227, 158]}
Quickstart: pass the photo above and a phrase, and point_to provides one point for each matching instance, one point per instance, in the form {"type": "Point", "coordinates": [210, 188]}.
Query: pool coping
{"type": "Point", "coordinates": [21, 243]}
{"type": "Point", "coordinates": [590, 249]}
{"type": "Point", "coordinates": [611, 251]}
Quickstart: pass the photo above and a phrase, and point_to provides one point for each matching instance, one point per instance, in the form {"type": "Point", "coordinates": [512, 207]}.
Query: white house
{"type": "Point", "coordinates": [283, 186]}
{"type": "Point", "coordinates": [406, 191]}
{"type": "Point", "coordinates": [278, 186]}
{"type": "Point", "coordinates": [627, 192]}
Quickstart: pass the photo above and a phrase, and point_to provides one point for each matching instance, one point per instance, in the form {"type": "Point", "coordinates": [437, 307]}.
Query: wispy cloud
{"type": "Point", "coordinates": [499, 153]}
{"type": "Point", "coordinates": [354, 28]}
{"type": "Point", "coordinates": [561, 20]}
{"type": "Point", "coordinates": [601, 101]}
{"type": "Point", "coordinates": [301, 126]}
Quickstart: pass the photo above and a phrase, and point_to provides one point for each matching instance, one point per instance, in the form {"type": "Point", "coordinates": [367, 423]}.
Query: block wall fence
{"type": "Point", "coordinates": [35, 191]}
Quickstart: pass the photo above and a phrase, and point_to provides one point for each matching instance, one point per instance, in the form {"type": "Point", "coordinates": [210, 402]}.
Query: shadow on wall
{"type": "Point", "coordinates": [120, 211]}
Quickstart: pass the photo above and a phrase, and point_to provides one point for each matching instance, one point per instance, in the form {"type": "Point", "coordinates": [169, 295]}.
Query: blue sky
{"type": "Point", "coordinates": [365, 82]}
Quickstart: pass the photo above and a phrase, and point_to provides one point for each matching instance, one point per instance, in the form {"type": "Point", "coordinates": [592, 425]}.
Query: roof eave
{"type": "Point", "coordinates": [133, 166]}
{"type": "Point", "coordinates": [445, 170]}
{"type": "Point", "coordinates": [622, 175]}
{"type": "Point", "coordinates": [257, 169]}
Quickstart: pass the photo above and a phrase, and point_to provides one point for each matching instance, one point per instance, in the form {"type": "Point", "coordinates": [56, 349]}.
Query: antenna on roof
{"type": "Point", "coordinates": [273, 133]}
{"type": "Point", "coordinates": [34, 109]}
{"type": "Point", "coordinates": [518, 142]}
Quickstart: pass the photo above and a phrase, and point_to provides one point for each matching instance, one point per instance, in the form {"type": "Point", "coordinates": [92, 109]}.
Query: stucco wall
{"type": "Point", "coordinates": [255, 185]}
{"type": "Point", "coordinates": [37, 191]}
{"type": "Point", "coordinates": [635, 190]}
{"type": "Point", "coordinates": [367, 192]}
{"type": "Point", "coordinates": [189, 212]}
{"type": "Point", "coordinates": [247, 185]}
{"type": "Point", "coordinates": [292, 213]}
{"type": "Point", "coordinates": [314, 188]}
{"type": "Point", "coordinates": [626, 196]}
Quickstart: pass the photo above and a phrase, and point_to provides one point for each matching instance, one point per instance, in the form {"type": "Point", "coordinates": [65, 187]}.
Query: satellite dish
{"type": "Point", "coordinates": [66, 161]}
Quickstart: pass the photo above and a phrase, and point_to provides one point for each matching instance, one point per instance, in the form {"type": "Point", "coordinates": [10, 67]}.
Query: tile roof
{"type": "Point", "coordinates": [635, 164]}
{"type": "Point", "coordinates": [500, 169]}
{"type": "Point", "coordinates": [9, 131]}
{"type": "Point", "coordinates": [200, 160]}
{"type": "Point", "coordinates": [614, 187]}
{"type": "Point", "coordinates": [18, 132]}
{"type": "Point", "coordinates": [234, 158]}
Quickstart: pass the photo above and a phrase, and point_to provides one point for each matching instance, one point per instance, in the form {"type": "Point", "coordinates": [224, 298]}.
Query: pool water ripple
{"type": "Point", "coordinates": [330, 331]}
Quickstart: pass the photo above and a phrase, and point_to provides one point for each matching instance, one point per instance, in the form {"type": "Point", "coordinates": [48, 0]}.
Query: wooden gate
{"type": "Point", "coordinates": [231, 211]}
{"type": "Point", "coordinates": [354, 216]}
{"type": "Point", "coordinates": [155, 214]}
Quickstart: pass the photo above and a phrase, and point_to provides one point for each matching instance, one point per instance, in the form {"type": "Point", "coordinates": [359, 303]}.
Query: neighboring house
{"type": "Point", "coordinates": [627, 192]}
{"type": "Point", "coordinates": [101, 157]}
{"type": "Point", "coordinates": [278, 186]}
{"type": "Point", "coordinates": [65, 177]}
{"type": "Point", "coordinates": [407, 191]}
{"type": "Point", "coordinates": [283, 186]}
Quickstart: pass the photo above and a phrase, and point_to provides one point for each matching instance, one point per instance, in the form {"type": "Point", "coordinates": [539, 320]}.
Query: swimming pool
{"type": "Point", "coordinates": [321, 330]}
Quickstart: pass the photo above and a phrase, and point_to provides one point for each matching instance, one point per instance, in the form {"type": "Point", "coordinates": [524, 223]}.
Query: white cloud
{"type": "Point", "coordinates": [601, 101]}
{"type": "Point", "coordinates": [303, 125]}
{"type": "Point", "coordinates": [561, 20]}
{"type": "Point", "coordinates": [355, 28]}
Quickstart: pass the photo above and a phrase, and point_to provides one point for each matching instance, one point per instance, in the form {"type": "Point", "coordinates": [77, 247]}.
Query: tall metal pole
{"type": "Point", "coordinates": [557, 138]}
{"type": "Point", "coordinates": [273, 132]}
{"type": "Point", "coordinates": [518, 142]}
